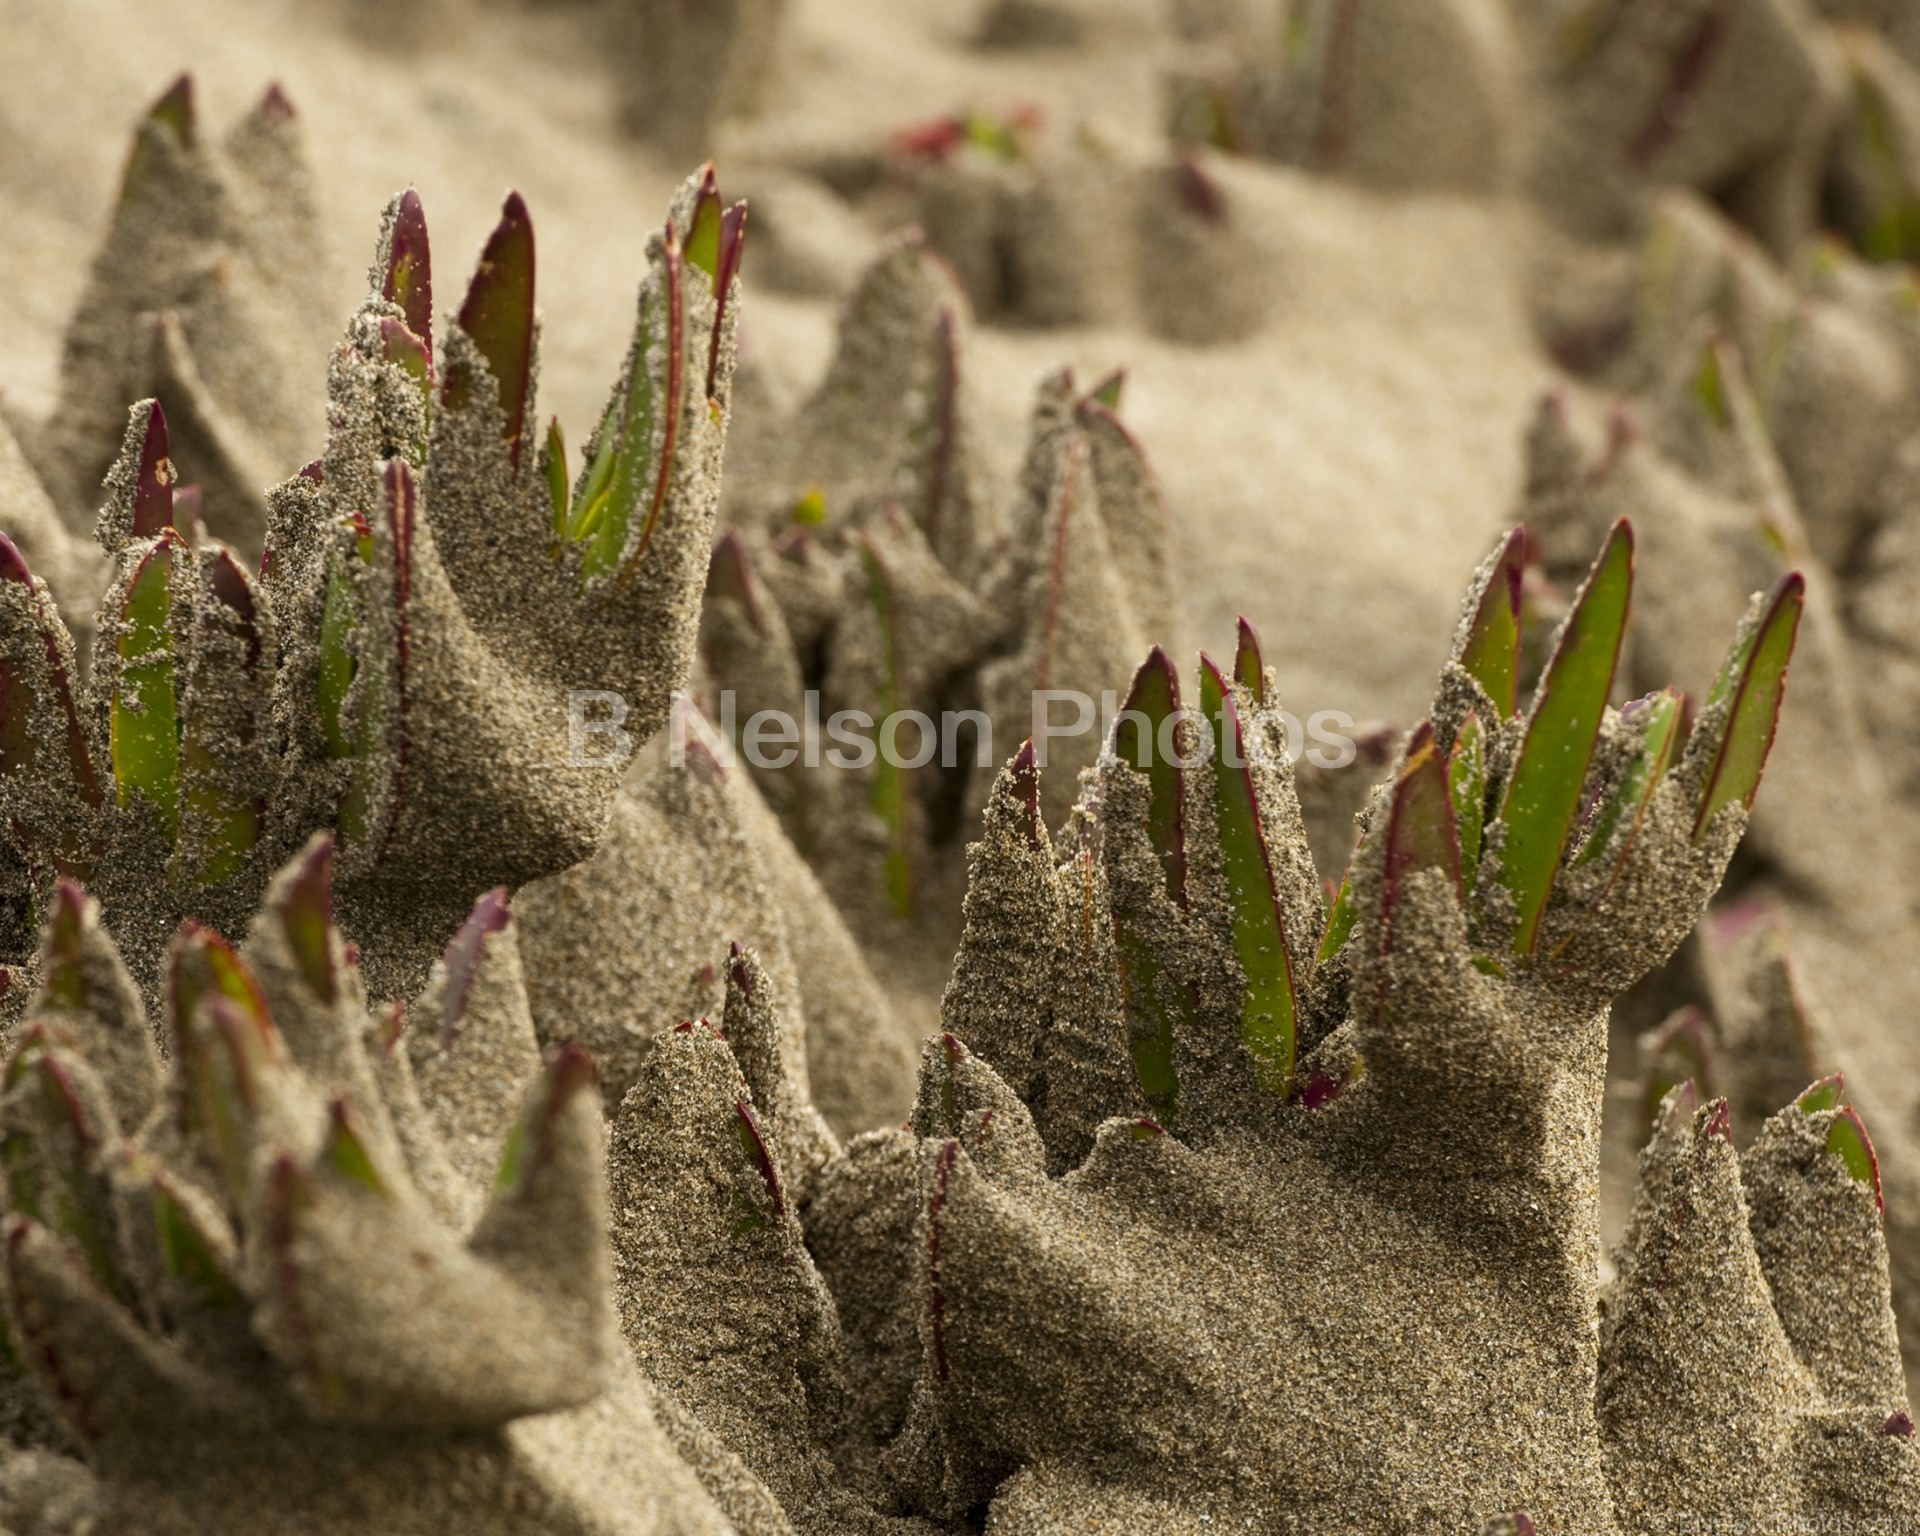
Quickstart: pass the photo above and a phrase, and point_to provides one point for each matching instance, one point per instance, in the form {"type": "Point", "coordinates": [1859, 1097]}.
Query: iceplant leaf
{"type": "Point", "coordinates": [345, 1150]}
{"type": "Point", "coordinates": [1825, 1094]}
{"type": "Point", "coordinates": [1754, 679]}
{"type": "Point", "coordinates": [630, 460]}
{"type": "Point", "coordinates": [1340, 920]}
{"type": "Point", "coordinates": [1249, 670]}
{"type": "Point", "coordinates": [498, 315]}
{"type": "Point", "coordinates": [1160, 1007]}
{"type": "Point", "coordinates": [463, 955]}
{"type": "Point", "coordinates": [1467, 787]}
{"type": "Point", "coordinates": [733, 239]}
{"type": "Point", "coordinates": [409, 277]}
{"type": "Point", "coordinates": [1420, 826]}
{"type": "Point", "coordinates": [1848, 1140]}
{"type": "Point", "coordinates": [409, 352]}
{"type": "Point", "coordinates": [187, 1251]}
{"type": "Point", "coordinates": [554, 467]}
{"type": "Point", "coordinates": [144, 729]}
{"type": "Point", "coordinates": [336, 665]}
{"type": "Point", "coordinates": [1627, 803]}
{"type": "Point", "coordinates": [306, 918]}
{"type": "Point", "coordinates": [18, 748]}
{"type": "Point", "coordinates": [1268, 1012]}
{"type": "Point", "coordinates": [1151, 704]}
{"type": "Point", "coordinates": [1543, 794]}
{"type": "Point", "coordinates": [153, 485]}
{"type": "Point", "coordinates": [1491, 651]}
{"type": "Point", "coordinates": [227, 823]}
{"type": "Point", "coordinates": [702, 247]}
{"type": "Point", "coordinates": [373, 761]}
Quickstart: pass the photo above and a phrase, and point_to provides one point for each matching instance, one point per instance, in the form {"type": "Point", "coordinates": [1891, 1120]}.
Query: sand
{"type": "Point", "coordinates": [1334, 460]}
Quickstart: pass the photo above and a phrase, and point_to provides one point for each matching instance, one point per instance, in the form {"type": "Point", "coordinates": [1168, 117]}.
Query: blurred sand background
{"type": "Point", "coordinates": [1334, 475]}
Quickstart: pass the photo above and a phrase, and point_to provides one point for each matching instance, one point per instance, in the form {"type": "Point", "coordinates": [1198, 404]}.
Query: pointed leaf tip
{"type": "Point", "coordinates": [306, 918]}
{"type": "Point", "coordinates": [702, 249]}
{"type": "Point", "coordinates": [1269, 1008]}
{"type": "Point", "coordinates": [1023, 786]}
{"type": "Point", "coordinates": [498, 315]}
{"type": "Point", "coordinates": [1828, 1093]}
{"type": "Point", "coordinates": [1249, 669]}
{"type": "Point", "coordinates": [1491, 653]}
{"type": "Point", "coordinates": [153, 483]}
{"type": "Point", "coordinates": [1848, 1140]}
{"type": "Point", "coordinates": [1153, 700]}
{"type": "Point", "coordinates": [1545, 790]}
{"type": "Point", "coordinates": [175, 109]}
{"type": "Point", "coordinates": [345, 1150]}
{"type": "Point", "coordinates": [463, 955]}
{"type": "Point", "coordinates": [409, 276]}
{"type": "Point", "coordinates": [1420, 826]}
{"type": "Point", "coordinates": [1756, 677]}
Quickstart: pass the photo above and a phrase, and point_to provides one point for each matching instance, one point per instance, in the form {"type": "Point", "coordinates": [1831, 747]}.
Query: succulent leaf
{"type": "Point", "coordinates": [153, 486]}
{"type": "Point", "coordinates": [1268, 1015]}
{"type": "Point", "coordinates": [1467, 784]}
{"type": "Point", "coordinates": [554, 467]}
{"type": "Point", "coordinates": [1752, 683]}
{"type": "Point", "coordinates": [498, 315]}
{"type": "Point", "coordinates": [409, 276]}
{"type": "Point", "coordinates": [1543, 794]}
{"type": "Point", "coordinates": [221, 819]}
{"type": "Point", "coordinates": [145, 720]}
{"type": "Point", "coordinates": [1490, 650]}
{"type": "Point", "coordinates": [1160, 1006]}
{"type": "Point", "coordinates": [1420, 826]}
{"type": "Point", "coordinates": [1848, 1140]}
{"type": "Point", "coordinates": [1249, 670]}
{"type": "Point", "coordinates": [630, 460]}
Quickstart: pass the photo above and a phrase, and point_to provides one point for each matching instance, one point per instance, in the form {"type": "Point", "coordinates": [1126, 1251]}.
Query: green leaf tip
{"type": "Point", "coordinates": [1660, 718]}
{"type": "Point", "coordinates": [144, 721]}
{"type": "Point", "coordinates": [1420, 827]}
{"type": "Point", "coordinates": [1110, 390]}
{"type": "Point", "coordinates": [409, 276]}
{"type": "Point", "coordinates": [498, 315]}
{"type": "Point", "coordinates": [702, 249]}
{"type": "Point", "coordinates": [188, 1253]}
{"type": "Point", "coordinates": [1152, 702]}
{"type": "Point", "coordinates": [1467, 787]}
{"type": "Point", "coordinates": [1249, 670]}
{"type": "Point", "coordinates": [566, 1072]}
{"type": "Point", "coordinates": [1753, 682]}
{"type": "Point", "coordinates": [1828, 1093]}
{"type": "Point", "coordinates": [1848, 1140]}
{"type": "Point", "coordinates": [1269, 1009]}
{"type": "Point", "coordinates": [345, 1150]}
{"type": "Point", "coordinates": [228, 822]}
{"type": "Point", "coordinates": [306, 918]}
{"type": "Point", "coordinates": [64, 985]}
{"type": "Point", "coordinates": [554, 465]}
{"type": "Point", "coordinates": [623, 478]}
{"type": "Point", "coordinates": [175, 110]}
{"type": "Point", "coordinates": [1544, 792]}
{"type": "Point", "coordinates": [1490, 652]}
